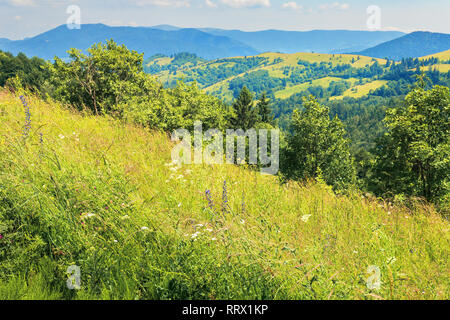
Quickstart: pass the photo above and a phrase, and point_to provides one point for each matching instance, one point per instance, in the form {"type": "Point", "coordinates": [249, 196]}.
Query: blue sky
{"type": "Point", "coordinates": [25, 18]}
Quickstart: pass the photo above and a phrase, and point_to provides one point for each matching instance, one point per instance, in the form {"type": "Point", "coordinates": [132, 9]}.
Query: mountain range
{"type": "Point", "coordinates": [414, 45]}
{"type": "Point", "coordinates": [212, 43]}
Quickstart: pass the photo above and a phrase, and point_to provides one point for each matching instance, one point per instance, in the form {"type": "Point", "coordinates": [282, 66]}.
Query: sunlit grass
{"type": "Point", "coordinates": [102, 194]}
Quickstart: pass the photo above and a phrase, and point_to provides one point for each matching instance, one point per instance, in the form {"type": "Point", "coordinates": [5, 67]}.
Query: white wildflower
{"type": "Point", "coordinates": [306, 217]}
{"type": "Point", "coordinates": [144, 228]}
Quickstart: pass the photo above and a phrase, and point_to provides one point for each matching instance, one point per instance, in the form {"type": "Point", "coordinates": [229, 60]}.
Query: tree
{"type": "Point", "coordinates": [245, 114]}
{"type": "Point", "coordinates": [264, 111]}
{"type": "Point", "coordinates": [413, 157]}
{"type": "Point", "coordinates": [317, 146]}
{"type": "Point", "coordinates": [100, 80]}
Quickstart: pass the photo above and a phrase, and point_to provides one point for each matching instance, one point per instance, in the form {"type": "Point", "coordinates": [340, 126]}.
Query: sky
{"type": "Point", "coordinates": [27, 18]}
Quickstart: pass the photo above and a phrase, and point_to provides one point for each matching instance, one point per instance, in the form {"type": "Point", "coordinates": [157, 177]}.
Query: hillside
{"type": "Point", "coordinates": [279, 74]}
{"type": "Point", "coordinates": [142, 39]}
{"type": "Point", "coordinates": [103, 195]}
{"type": "Point", "coordinates": [416, 44]}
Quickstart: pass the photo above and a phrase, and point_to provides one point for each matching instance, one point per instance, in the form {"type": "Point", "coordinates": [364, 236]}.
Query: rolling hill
{"type": "Point", "coordinates": [280, 74]}
{"type": "Point", "coordinates": [283, 75]}
{"type": "Point", "coordinates": [416, 44]}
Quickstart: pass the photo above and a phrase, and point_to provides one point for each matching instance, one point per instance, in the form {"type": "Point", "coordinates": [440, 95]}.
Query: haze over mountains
{"type": "Point", "coordinates": [210, 43]}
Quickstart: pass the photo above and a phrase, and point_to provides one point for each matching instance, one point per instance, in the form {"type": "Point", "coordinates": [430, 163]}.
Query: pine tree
{"type": "Point", "coordinates": [264, 111]}
{"type": "Point", "coordinates": [245, 116]}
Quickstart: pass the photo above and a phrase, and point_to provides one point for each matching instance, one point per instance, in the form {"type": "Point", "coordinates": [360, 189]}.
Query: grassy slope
{"type": "Point", "coordinates": [265, 247]}
{"type": "Point", "coordinates": [359, 91]}
{"type": "Point", "coordinates": [274, 69]}
{"type": "Point", "coordinates": [444, 55]}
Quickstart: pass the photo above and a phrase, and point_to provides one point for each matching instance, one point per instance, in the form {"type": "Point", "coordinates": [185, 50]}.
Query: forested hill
{"type": "Point", "coordinates": [333, 76]}
{"type": "Point", "coordinates": [415, 44]}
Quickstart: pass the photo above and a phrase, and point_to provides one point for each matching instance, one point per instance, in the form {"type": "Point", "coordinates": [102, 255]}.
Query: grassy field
{"type": "Point", "coordinates": [103, 195]}
{"type": "Point", "coordinates": [358, 91]}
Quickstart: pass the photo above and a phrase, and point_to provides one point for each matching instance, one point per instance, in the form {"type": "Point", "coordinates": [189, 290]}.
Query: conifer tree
{"type": "Point", "coordinates": [264, 111]}
{"type": "Point", "coordinates": [245, 116]}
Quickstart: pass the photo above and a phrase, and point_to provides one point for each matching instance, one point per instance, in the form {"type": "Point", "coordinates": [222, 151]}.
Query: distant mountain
{"type": "Point", "coordinates": [323, 41]}
{"type": "Point", "coordinates": [142, 39]}
{"type": "Point", "coordinates": [416, 44]}
{"type": "Point", "coordinates": [4, 41]}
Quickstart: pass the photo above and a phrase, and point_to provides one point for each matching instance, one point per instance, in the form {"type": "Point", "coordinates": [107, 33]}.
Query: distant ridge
{"type": "Point", "coordinates": [208, 43]}
{"type": "Point", "coordinates": [142, 39]}
{"type": "Point", "coordinates": [323, 41]}
{"type": "Point", "coordinates": [415, 45]}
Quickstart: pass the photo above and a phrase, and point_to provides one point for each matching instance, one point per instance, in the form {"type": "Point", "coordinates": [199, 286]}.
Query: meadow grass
{"type": "Point", "coordinates": [103, 195]}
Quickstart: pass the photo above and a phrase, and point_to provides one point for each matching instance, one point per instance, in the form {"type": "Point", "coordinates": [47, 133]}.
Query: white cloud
{"type": "Point", "coordinates": [210, 4]}
{"type": "Point", "coordinates": [164, 3]}
{"type": "Point", "coordinates": [246, 3]}
{"type": "Point", "coordinates": [334, 5]}
{"type": "Point", "coordinates": [292, 5]}
{"type": "Point", "coordinates": [21, 3]}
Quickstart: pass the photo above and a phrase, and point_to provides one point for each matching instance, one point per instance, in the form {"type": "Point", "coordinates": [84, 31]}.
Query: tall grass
{"type": "Point", "coordinates": [103, 195]}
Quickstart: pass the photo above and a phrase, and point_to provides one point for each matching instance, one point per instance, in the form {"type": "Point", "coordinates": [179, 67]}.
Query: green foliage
{"type": "Point", "coordinates": [413, 157]}
{"type": "Point", "coordinates": [110, 80]}
{"type": "Point", "coordinates": [104, 78]}
{"type": "Point", "coordinates": [317, 147]}
{"type": "Point", "coordinates": [30, 71]}
{"type": "Point", "coordinates": [264, 112]}
{"type": "Point", "coordinates": [245, 114]}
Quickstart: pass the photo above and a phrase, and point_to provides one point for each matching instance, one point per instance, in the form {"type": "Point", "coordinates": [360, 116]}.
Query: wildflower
{"type": "Point", "coordinates": [144, 228]}
{"type": "Point", "coordinates": [124, 217]}
{"type": "Point", "coordinates": [210, 201]}
{"type": "Point", "coordinates": [213, 239]}
{"type": "Point", "coordinates": [87, 215]}
{"type": "Point", "coordinates": [306, 217]}
{"type": "Point", "coordinates": [61, 136]}
{"type": "Point", "coordinates": [224, 198]}
{"type": "Point", "coordinates": [195, 235]}
{"type": "Point", "coordinates": [115, 241]}
{"type": "Point", "coordinates": [1, 237]}
{"type": "Point", "coordinates": [209, 230]}
{"type": "Point", "coordinates": [179, 205]}
{"type": "Point", "coordinates": [242, 221]}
